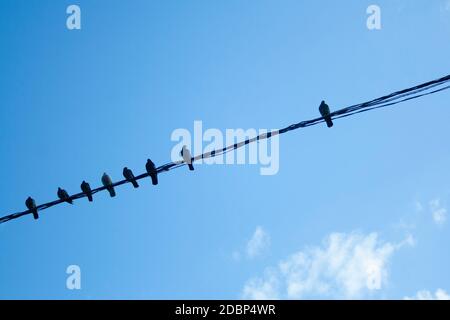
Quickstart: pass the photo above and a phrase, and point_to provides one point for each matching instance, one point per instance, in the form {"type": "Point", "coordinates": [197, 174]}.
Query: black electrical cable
{"type": "Point", "coordinates": [389, 100]}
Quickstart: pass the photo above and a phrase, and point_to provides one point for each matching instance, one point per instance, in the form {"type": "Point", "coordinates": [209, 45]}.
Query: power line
{"type": "Point", "coordinates": [389, 100]}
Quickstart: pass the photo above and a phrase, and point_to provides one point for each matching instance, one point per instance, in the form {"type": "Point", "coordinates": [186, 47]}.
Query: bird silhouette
{"type": "Point", "coordinates": [86, 188]}
{"type": "Point", "coordinates": [31, 205]}
{"type": "Point", "coordinates": [151, 170]}
{"type": "Point", "coordinates": [63, 195]}
{"type": "Point", "coordinates": [107, 182]}
{"type": "Point", "coordinates": [324, 110]}
{"type": "Point", "coordinates": [186, 154]}
{"type": "Point", "coordinates": [128, 174]}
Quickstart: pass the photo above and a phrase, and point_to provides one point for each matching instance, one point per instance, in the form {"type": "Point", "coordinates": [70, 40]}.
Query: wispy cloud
{"type": "Point", "coordinates": [345, 266]}
{"type": "Point", "coordinates": [256, 246]}
{"type": "Point", "coordinates": [440, 294]}
{"type": "Point", "coordinates": [266, 288]}
{"type": "Point", "coordinates": [259, 242]}
{"type": "Point", "coordinates": [438, 212]}
{"type": "Point", "coordinates": [435, 208]}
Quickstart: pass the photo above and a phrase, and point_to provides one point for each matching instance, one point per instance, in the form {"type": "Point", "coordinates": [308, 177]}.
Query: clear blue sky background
{"type": "Point", "coordinates": [74, 104]}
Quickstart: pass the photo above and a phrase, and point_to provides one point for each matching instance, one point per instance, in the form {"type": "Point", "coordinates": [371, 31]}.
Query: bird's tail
{"type": "Point", "coordinates": [191, 166]}
{"type": "Point", "coordinates": [135, 184]}
{"type": "Point", "coordinates": [35, 214]}
{"type": "Point", "coordinates": [89, 196]}
{"type": "Point", "coordinates": [329, 122]}
{"type": "Point", "coordinates": [154, 179]}
{"type": "Point", "coordinates": [112, 192]}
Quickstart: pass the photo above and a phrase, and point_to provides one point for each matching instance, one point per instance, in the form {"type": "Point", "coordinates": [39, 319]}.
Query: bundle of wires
{"type": "Point", "coordinates": [389, 100]}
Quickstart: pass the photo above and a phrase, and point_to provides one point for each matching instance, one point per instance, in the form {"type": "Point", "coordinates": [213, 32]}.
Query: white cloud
{"type": "Point", "coordinates": [440, 294]}
{"type": "Point", "coordinates": [262, 289]}
{"type": "Point", "coordinates": [438, 212]}
{"type": "Point", "coordinates": [345, 266]}
{"type": "Point", "coordinates": [258, 243]}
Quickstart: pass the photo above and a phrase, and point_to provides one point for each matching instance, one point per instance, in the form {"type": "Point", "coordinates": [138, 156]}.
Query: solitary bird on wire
{"type": "Point", "coordinates": [324, 110]}
{"type": "Point", "coordinates": [107, 182]}
{"type": "Point", "coordinates": [86, 188]}
{"type": "Point", "coordinates": [186, 154]}
{"type": "Point", "coordinates": [128, 174]}
{"type": "Point", "coordinates": [63, 195]}
{"type": "Point", "coordinates": [31, 205]}
{"type": "Point", "coordinates": [151, 170]}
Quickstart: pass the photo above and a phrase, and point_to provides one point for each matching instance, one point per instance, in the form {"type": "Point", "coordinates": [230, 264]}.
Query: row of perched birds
{"type": "Point", "coordinates": [108, 184]}
{"type": "Point", "coordinates": [324, 110]}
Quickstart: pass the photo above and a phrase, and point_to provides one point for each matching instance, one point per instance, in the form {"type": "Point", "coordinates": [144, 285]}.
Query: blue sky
{"type": "Point", "coordinates": [356, 211]}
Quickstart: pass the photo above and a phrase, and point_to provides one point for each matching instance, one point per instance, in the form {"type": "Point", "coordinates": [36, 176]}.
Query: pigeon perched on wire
{"type": "Point", "coordinates": [107, 182]}
{"type": "Point", "coordinates": [151, 170]}
{"type": "Point", "coordinates": [31, 205]}
{"type": "Point", "coordinates": [63, 195]}
{"type": "Point", "coordinates": [128, 174]}
{"type": "Point", "coordinates": [324, 110]}
{"type": "Point", "coordinates": [86, 188]}
{"type": "Point", "coordinates": [186, 154]}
